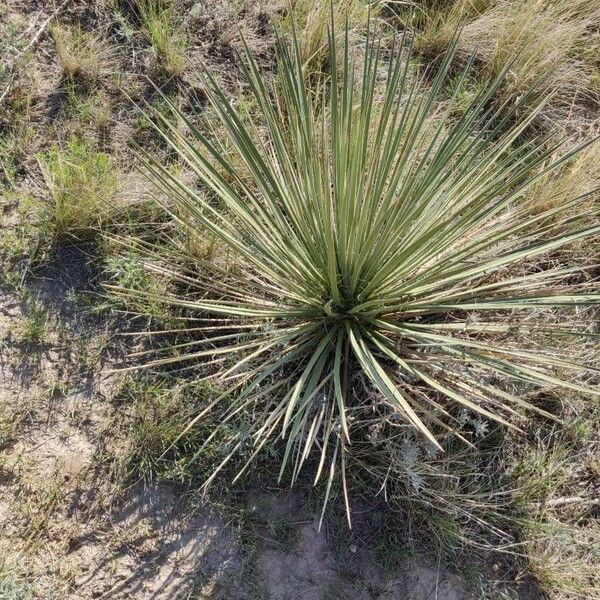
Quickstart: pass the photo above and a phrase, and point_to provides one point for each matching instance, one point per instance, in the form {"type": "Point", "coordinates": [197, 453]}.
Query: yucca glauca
{"type": "Point", "coordinates": [386, 266]}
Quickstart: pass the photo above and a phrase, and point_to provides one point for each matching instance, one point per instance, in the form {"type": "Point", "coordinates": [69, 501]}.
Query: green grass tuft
{"type": "Point", "coordinates": [159, 24]}
{"type": "Point", "coordinates": [83, 186]}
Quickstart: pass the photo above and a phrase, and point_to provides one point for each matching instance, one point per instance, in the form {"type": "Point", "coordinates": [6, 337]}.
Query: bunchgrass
{"type": "Point", "coordinates": [549, 38]}
{"type": "Point", "coordinates": [82, 184]}
{"type": "Point", "coordinates": [159, 25]}
{"type": "Point", "coordinates": [81, 55]}
{"type": "Point", "coordinates": [554, 39]}
{"type": "Point", "coordinates": [389, 278]}
{"type": "Point", "coordinates": [435, 24]}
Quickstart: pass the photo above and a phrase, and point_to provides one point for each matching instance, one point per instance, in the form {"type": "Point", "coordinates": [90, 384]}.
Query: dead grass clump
{"type": "Point", "coordinates": [311, 19]}
{"type": "Point", "coordinates": [538, 39]}
{"type": "Point", "coordinates": [564, 558]}
{"type": "Point", "coordinates": [579, 178]}
{"type": "Point", "coordinates": [590, 55]}
{"type": "Point", "coordinates": [20, 88]}
{"type": "Point", "coordinates": [81, 55]}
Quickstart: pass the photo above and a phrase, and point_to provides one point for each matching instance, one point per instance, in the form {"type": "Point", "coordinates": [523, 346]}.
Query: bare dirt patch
{"type": "Point", "coordinates": [151, 548]}
{"type": "Point", "coordinates": [303, 563]}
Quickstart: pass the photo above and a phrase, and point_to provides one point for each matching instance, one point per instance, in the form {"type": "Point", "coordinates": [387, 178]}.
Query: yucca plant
{"type": "Point", "coordinates": [385, 266]}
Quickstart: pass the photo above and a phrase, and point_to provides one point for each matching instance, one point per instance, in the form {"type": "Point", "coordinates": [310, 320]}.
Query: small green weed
{"type": "Point", "coordinates": [126, 270]}
{"type": "Point", "coordinates": [15, 584]}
